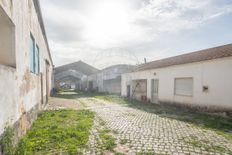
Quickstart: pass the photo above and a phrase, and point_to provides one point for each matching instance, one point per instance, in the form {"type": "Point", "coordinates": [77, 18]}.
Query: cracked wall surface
{"type": "Point", "coordinates": [21, 91]}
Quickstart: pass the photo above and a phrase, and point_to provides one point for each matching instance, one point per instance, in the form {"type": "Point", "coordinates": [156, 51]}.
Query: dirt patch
{"type": "Point", "coordinates": [59, 103]}
{"type": "Point", "coordinates": [123, 149]}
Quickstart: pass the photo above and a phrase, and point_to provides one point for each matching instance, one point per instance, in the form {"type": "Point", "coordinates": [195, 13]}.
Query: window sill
{"type": "Point", "coordinates": [9, 68]}
{"type": "Point", "coordinates": [182, 95]}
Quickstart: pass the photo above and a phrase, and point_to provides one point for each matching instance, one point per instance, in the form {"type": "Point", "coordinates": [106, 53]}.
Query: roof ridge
{"type": "Point", "coordinates": [197, 56]}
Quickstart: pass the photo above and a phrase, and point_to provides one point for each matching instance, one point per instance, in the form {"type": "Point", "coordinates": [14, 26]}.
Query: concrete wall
{"type": "Point", "coordinates": [139, 88]}
{"type": "Point", "coordinates": [112, 86]}
{"type": "Point", "coordinates": [8, 106]}
{"type": "Point", "coordinates": [20, 90]}
{"type": "Point", "coordinates": [109, 79]}
{"type": "Point", "coordinates": [216, 74]}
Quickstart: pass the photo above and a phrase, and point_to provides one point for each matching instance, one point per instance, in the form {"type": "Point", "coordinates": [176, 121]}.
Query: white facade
{"type": "Point", "coordinates": [214, 75]}
{"type": "Point", "coordinates": [22, 91]}
{"type": "Point", "coordinates": [109, 79]}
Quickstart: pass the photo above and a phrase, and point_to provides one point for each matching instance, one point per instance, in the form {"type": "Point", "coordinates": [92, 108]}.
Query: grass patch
{"type": "Point", "coordinates": [104, 97]}
{"type": "Point", "coordinates": [207, 146]}
{"type": "Point", "coordinates": [53, 132]}
{"type": "Point", "coordinates": [108, 141]}
{"type": "Point", "coordinates": [109, 98]}
{"type": "Point", "coordinates": [7, 141]}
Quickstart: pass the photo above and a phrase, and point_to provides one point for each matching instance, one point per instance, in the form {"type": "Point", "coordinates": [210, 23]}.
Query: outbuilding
{"type": "Point", "coordinates": [199, 79]}
{"type": "Point", "coordinates": [108, 80]}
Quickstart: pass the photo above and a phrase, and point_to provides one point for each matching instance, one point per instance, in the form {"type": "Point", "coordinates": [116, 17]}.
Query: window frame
{"type": "Point", "coordinates": [178, 94]}
{"type": "Point", "coordinates": [34, 56]}
{"type": "Point", "coordinates": [37, 59]}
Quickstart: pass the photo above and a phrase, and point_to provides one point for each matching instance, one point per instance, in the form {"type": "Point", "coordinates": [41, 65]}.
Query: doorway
{"type": "Point", "coordinates": [128, 91]}
{"type": "Point", "coordinates": [47, 79]}
{"type": "Point", "coordinates": [155, 91]}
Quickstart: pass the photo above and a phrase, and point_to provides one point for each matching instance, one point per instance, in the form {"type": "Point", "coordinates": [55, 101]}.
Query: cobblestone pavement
{"type": "Point", "coordinates": [140, 132]}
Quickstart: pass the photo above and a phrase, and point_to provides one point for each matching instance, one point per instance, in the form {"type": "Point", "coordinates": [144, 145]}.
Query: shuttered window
{"type": "Point", "coordinates": [184, 86]}
{"type": "Point", "coordinates": [34, 56]}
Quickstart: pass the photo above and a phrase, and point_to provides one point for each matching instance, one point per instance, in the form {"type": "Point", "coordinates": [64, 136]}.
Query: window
{"type": "Point", "coordinates": [184, 86]}
{"type": "Point", "coordinates": [37, 68]}
{"type": "Point", "coordinates": [7, 40]}
{"type": "Point", "coordinates": [34, 56]}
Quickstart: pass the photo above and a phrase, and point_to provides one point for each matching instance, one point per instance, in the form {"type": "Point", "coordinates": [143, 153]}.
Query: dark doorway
{"type": "Point", "coordinates": [47, 79]}
{"type": "Point", "coordinates": [128, 90]}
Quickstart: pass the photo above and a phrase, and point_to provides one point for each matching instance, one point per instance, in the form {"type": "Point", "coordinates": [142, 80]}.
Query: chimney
{"type": "Point", "coordinates": [145, 60]}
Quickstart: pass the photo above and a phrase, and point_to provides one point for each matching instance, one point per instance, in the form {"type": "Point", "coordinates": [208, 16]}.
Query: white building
{"type": "Point", "coordinates": [109, 79]}
{"type": "Point", "coordinates": [25, 64]}
{"type": "Point", "coordinates": [201, 79]}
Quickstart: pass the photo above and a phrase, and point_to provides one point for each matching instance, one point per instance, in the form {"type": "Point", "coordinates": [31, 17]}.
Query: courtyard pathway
{"type": "Point", "coordinates": [141, 132]}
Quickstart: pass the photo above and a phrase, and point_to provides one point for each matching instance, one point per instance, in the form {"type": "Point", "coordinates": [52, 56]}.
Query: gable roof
{"type": "Point", "coordinates": [202, 55]}
{"type": "Point", "coordinates": [128, 66]}
{"type": "Point", "coordinates": [79, 66]}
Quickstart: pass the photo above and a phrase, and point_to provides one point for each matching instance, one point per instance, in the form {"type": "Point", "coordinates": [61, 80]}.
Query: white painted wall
{"type": "Point", "coordinates": [109, 79]}
{"type": "Point", "coordinates": [7, 54]}
{"type": "Point", "coordinates": [19, 87]}
{"type": "Point", "coordinates": [8, 104]}
{"type": "Point", "coordinates": [216, 74]}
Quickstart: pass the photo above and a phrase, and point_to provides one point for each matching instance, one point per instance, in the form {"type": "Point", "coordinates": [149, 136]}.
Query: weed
{"type": "Point", "coordinates": [7, 141]}
{"type": "Point", "coordinates": [107, 139]}
{"type": "Point", "coordinates": [206, 145]}
{"type": "Point", "coordinates": [57, 131]}
{"type": "Point", "coordinates": [123, 141]}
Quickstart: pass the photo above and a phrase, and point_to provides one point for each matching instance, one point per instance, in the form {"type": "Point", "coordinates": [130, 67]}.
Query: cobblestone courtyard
{"type": "Point", "coordinates": [141, 132]}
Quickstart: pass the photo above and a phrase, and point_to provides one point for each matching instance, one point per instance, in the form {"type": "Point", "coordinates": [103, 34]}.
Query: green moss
{"type": "Point", "coordinates": [64, 131]}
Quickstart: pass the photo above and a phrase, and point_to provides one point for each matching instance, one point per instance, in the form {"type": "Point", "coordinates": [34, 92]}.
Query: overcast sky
{"type": "Point", "coordinates": [107, 32]}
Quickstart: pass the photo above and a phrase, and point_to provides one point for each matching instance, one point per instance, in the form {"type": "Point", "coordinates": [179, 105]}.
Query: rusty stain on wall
{"type": "Point", "coordinates": [23, 122]}
{"type": "Point", "coordinates": [28, 83]}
